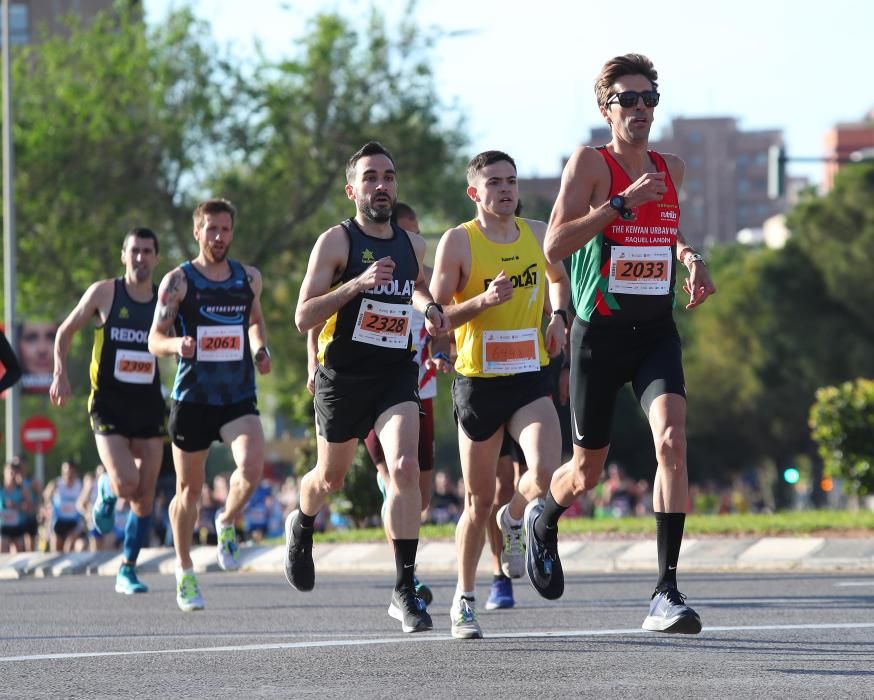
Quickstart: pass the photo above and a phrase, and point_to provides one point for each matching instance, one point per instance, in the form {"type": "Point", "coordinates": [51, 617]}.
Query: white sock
{"type": "Point", "coordinates": [459, 593]}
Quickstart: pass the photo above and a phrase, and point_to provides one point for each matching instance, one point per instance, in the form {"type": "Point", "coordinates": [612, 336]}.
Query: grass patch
{"type": "Point", "coordinates": [787, 524]}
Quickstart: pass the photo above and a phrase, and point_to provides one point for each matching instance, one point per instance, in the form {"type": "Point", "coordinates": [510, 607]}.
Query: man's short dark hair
{"type": "Point", "coordinates": [140, 232]}
{"type": "Point", "coordinates": [619, 67]}
{"type": "Point", "coordinates": [371, 148]}
{"type": "Point", "coordinates": [402, 210]}
{"type": "Point", "coordinates": [213, 206]}
{"type": "Point", "coordinates": [484, 159]}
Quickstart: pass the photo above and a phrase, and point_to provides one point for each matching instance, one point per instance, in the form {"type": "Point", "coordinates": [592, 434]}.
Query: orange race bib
{"type": "Point", "coordinates": [220, 343]}
{"type": "Point", "coordinates": [640, 270]}
{"type": "Point", "coordinates": [134, 366]}
{"type": "Point", "coordinates": [383, 324]}
{"type": "Point", "coordinates": [511, 352]}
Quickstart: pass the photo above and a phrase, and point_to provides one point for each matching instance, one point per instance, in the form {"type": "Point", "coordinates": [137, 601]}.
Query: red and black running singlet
{"type": "Point", "coordinates": [627, 271]}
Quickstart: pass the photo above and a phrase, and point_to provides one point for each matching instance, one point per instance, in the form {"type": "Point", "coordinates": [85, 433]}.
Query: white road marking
{"type": "Point", "coordinates": [841, 584]}
{"type": "Point", "coordinates": [566, 634]}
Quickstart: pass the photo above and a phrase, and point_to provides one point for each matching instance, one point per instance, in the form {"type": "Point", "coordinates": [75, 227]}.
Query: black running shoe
{"type": "Point", "coordinates": [541, 558]}
{"type": "Point", "coordinates": [409, 608]}
{"type": "Point", "coordinates": [299, 568]}
{"type": "Point", "coordinates": [669, 613]}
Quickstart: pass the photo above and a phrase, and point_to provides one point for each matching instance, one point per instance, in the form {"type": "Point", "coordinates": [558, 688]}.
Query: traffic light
{"type": "Point", "coordinates": [791, 475]}
{"type": "Point", "coordinates": [776, 172]}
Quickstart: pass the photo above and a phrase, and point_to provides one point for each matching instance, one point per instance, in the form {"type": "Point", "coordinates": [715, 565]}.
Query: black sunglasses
{"type": "Point", "coordinates": [629, 98]}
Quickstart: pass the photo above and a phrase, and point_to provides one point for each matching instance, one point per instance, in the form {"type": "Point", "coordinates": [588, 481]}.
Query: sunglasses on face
{"type": "Point", "coordinates": [629, 98]}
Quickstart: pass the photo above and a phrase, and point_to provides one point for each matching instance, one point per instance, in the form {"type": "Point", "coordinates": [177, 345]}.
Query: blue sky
{"type": "Point", "coordinates": [523, 72]}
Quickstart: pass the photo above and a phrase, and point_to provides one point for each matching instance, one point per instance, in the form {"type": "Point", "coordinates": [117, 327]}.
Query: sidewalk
{"type": "Point", "coordinates": [577, 556]}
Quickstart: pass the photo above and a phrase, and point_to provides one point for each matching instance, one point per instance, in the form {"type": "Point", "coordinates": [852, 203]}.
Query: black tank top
{"type": "Point", "coordinates": [372, 331]}
{"type": "Point", "coordinates": [120, 360]}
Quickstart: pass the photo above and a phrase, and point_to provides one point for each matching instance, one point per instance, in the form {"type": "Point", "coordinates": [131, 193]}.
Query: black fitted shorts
{"type": "Point", "coordinates": [130, 417]}
{"type": "Point", "coordinates": [605, 358]}
{"type": "Point", "coordinates": [484, 404]}
{"type": "Point", "coordinates": [347, 406]}
{"type": "Point", "coordinates": [13, 532]}
{"type": "Point", "coordinates": [194, 427]}
{"type": "Point", "coordinates": [426, 439]}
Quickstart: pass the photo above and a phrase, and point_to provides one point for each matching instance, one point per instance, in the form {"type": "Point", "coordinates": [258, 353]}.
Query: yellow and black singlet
{"type": "Point", "coordinates": [504, 339]}
{"type": "Point", "coordinates": [121, 363]}
{"type": "Point", "coordinates": [372, 332]}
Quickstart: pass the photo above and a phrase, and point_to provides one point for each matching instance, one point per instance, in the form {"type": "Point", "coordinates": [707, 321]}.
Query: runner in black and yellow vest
{"type": "Point", "coordinates": [618, 215]}
{"type": "Point", "coordinates": [494, 272]}
{"type": "Point", "coordinates": [126, 406]}
{"type": "Point", "coordinates": [363, 279]}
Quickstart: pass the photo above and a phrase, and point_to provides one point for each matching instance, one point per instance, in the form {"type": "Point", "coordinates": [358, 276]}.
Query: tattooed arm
{"type": "Point", "coordinates": [257, 328]}
{"type": "Point", "coordinates": [162, 340]}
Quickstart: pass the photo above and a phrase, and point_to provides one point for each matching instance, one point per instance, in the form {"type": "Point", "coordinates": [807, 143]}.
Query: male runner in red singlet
{"type": "Point", "coordinates": [617, 213]}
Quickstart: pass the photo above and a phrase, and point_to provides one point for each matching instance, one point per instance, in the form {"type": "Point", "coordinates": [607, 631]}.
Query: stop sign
{"type": "Point", "coordinates": [38, 434]}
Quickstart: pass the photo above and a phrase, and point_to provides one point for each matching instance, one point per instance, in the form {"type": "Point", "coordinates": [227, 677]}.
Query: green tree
{"type": "Point", "coordinates": [837, 234]}
{"type": "Point", "coordinates": [842, 425]}
{"type": "Point", "coordinates": [755, 358]}
{"type": "Point", "coordinates": [112, 122]}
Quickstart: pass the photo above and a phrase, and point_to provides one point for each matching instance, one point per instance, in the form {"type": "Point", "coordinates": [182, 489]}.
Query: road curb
{"type": "Point", "coordinates": [577, 555]}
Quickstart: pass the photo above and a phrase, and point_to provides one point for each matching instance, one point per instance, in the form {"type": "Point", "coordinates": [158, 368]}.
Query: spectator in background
{"type": "Point", "coordinates": [11, 512]}
{"type": "Point", "coordinates": [256, 514]}
{"type": "Point", "coordinates": [36, 343]}
{"type": "Point", "coordinates": [32, 491]}
{"type": "Point", "coordinates": [446, 504]}
{"type": "Point", "coordinates": [11, 367]}
{"type": "Point", "coordinates": [61, 499]}
{"type": "Point", "coordinates": [205, 532]}
{"type": "Point", "coordinates": [619, 492]}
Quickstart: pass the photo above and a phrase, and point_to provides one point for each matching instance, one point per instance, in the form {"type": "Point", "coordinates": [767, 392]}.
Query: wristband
{"type": "Point", "coordinates": [265, 349]}
{"type": "Point", "coordinates": [693, 258]}
{"type": "Point", "coordinates": [562, 313]}
{"type": "Point", "coordinates": [428, 307]}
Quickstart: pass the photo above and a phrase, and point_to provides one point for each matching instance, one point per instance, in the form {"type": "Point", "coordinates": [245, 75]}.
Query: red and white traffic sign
{"type": "Point", "coordinates": [38, 434]}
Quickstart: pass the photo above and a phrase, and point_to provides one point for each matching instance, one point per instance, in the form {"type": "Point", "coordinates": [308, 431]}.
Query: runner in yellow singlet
{"type": "Point", "coordinates": [493, 271]}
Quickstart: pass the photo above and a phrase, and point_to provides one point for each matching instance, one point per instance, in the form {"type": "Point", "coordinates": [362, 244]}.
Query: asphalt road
{"type": "Point", "coordinates": [765, 635]}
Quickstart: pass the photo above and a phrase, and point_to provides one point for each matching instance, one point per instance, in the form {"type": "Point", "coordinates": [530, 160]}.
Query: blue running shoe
{"type": "Point", "coordinates": [501, 595]}
{"type": "Point", "coordinates": [541, 558]}
{"type": "Point", "coordinates": [423, 591]}
{"type": "Point", "coordinates": [103, 512]}
{"type": "Point", "coordinates": [127, 582]}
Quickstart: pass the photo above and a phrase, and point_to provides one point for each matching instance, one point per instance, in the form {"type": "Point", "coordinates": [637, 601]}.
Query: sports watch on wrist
{"type": "Point", "coordinates": [562, 314]}
{"type": "Point", "coordinates": [428, 308]}
{"type": "Point", "coordinates": [617, 202]}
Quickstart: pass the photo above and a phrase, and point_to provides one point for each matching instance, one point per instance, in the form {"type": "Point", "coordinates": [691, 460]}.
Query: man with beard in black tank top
{"type": "Point", "coordinates": [363, 278]}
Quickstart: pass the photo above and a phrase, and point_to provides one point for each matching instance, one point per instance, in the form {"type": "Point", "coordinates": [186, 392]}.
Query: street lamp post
{"type": "Point", "coordinates": [12, 396]}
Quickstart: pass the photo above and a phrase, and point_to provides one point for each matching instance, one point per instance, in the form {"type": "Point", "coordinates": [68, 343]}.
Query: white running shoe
{"type": "Point", "coordinates": [513, 553]}
{"type": "Point", "coordinates": [464, 622]}
{"type": "Point", "coordinates": [227, 551]}
{"type": "Point", "coordinates": [188, 596]}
